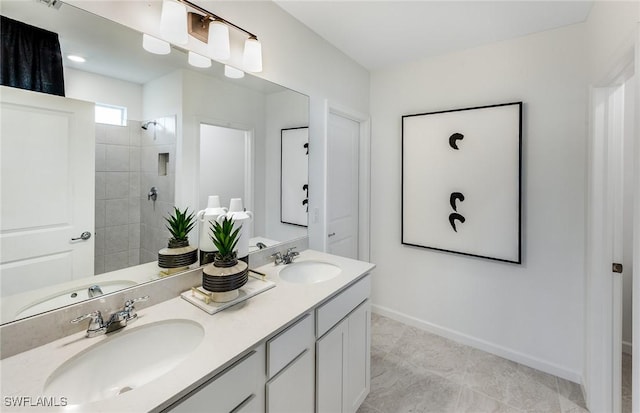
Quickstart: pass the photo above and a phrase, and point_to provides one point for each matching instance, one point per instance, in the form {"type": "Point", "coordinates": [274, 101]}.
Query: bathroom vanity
{"type": "Point", "coordinates": [302, 346]}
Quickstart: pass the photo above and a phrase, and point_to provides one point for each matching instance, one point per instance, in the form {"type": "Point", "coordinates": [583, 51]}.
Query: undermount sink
{"type": "Point", "coordinates": [125, 361]}
{"type": "Point", "coordinates": [309, 272]}
{"type": "Point", "coordinates": [70, 296]}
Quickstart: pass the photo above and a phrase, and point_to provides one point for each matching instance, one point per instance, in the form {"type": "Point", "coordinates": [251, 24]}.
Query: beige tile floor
{"type": "Point", "coordinates": [416, 371]}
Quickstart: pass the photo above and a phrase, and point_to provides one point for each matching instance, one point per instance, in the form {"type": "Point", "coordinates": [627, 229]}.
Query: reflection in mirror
{"type": "Point", "coordinates": [157, 144]}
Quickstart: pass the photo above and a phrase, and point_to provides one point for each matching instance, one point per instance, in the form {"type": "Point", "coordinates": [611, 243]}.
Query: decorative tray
{"type": "Point", "coordinates": [199, 296]}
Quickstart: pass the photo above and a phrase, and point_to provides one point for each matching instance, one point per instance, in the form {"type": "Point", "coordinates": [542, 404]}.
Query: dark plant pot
{"type": "Point", "coordinates": [177, 243]}
{"type": "Point", "coordinates": [224, 278]}
{"type": "Point", "coordinates": [178, 254]}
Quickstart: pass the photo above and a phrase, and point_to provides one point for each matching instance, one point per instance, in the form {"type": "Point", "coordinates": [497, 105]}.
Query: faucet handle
{"type": "Point", "coordinates": [129, 307]}
{"type": "Point", "coordinates": [96, 325]}
{"type": "Point", "coordinates": [277, 258]}
{"type": "Point", "coordinates": [96, 316]}
{"type": "Point", "coordinates": [129, 303]}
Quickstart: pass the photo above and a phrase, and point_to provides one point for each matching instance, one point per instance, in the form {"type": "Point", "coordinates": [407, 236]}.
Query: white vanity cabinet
{"type": "Point", "coordinates": [290, 369]}
{"type": "Point", "coordinates": [236, 389]}
{"type": "Point", "coordinates": [343, 350]}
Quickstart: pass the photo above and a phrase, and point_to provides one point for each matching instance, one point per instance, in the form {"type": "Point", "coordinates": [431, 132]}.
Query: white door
{"type": "Point", "coordinates": [47, 195]}
{"type": "Point", "coordinates": [342, 186]}
{"type": "Point", "coordinates": [604, 248]}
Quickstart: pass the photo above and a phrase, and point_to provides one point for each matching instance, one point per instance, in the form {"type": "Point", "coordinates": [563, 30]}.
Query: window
{"type": "Point", "coordinates": [111, 115]}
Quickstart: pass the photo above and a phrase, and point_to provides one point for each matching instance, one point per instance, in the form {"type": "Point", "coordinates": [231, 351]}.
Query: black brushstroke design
{"type": "Point", "coordinates": [455, 196]}
{"type": "Point", "coordinates": [452, 220]}
{"type": "Point", "coordinates": [453, 140]}
{"type": "Point", "coordinates": [306, 146]}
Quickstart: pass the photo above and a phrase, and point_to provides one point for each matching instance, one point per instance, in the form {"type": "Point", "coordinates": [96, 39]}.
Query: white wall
{"type": "Point", "coordinates": [102, 89]}
{"type": "Point", "coordinates": [294, 57]}
{"type": "Point", "coordinates": [532, 313]}
{"type": "Point", "coordinates": [284, 110]}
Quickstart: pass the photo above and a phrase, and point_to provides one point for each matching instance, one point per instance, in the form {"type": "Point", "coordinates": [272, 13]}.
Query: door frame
{"type": "Point", "coordinates": [249, 137]}
{"type": "Point", "coordinates": [603, 337]}
{"type": "Point", "coordinates": [364, 175]}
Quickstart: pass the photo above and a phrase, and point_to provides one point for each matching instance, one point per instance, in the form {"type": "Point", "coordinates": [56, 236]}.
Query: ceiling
{"type": "Point", "coordinates": [380, 34]}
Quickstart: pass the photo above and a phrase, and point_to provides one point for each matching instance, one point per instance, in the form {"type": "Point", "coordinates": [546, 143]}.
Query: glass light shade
{"type": "Point", "coordinates": [198, 60]}
{"type": "Point", "coordinates": [76, 58]}
{"type": "Point", "coordinates": [232, 72]}
{"type": "Point", "coordinates": [219, 40]}
{"type": "Point", "coordinates": [156, 46]}
{"type": "Point", "coordinates": [173, 22]}
{"type": "Point", "coordinates": [252, 59]}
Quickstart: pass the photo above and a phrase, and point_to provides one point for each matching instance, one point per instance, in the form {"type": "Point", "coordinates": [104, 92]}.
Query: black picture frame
{"type": "Point", "coordinates": [461, 181]}
{"type": "Point", "coordinates": [294, 179]}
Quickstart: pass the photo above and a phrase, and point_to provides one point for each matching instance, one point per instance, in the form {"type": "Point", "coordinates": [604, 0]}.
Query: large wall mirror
{"type": "Point", "coordinates": [188, 133]}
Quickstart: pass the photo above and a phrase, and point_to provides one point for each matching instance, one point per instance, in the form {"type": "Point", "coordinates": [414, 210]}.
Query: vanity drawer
{"type": "Point", "coordinates": [230, 391]}
{"type": "Point", "coordinates": [288, 345]}
{"type": "Point", "coordinates": [337, 308]}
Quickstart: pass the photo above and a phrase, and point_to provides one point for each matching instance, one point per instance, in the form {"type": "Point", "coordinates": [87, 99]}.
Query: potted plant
{"type": "Point", "coordinates": [226, 274]}
{"type": "Point", "coordinates": [179, 254]}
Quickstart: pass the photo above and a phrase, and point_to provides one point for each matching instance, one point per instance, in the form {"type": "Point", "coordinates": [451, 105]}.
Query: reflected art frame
{"type": "Point", "coordinates": [294, 178]}
{"type": "Point", "coordinates": [461, 181]}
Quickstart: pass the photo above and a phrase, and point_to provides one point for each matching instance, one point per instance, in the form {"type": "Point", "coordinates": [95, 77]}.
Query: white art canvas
{"type": "Point", "coordinates": [461, 181]}
{"type": "Point", "coordinates": [294, 182]}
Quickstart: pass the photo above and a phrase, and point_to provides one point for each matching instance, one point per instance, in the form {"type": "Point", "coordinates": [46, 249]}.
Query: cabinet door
{"type": "Point", "coordinates": [228, 391]}
{"type": "Point", "coordinates": [329, 367]}
{"type": "Point", "coordinates": [357, 377]}
{"type": "Point", "coordinates": [291, 390]}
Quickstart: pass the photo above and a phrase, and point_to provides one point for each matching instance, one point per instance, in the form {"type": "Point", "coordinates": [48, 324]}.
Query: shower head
{"type": "Point", "coordinates": [146, 124]}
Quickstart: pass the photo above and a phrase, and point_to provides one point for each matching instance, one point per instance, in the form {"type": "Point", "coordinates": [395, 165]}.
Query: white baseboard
{"type": "Point", "coordinates": [483, 345]}
{"type": "Point", "coordinates": [627, 347]}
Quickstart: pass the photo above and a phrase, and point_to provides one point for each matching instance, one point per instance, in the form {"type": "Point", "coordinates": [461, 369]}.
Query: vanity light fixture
{"type": "Point", "coordinates": [219, 40]}
{"type": "Point", "coordinates": [197, 60]}
{"type": "Point", "coordinates": [232, 72]}
{"type": "Point", "coordinates": [155, 45]}
{"type": "Point", "coordinates": [214, 30]}
{"type": "Point", "coordinates": [173, 22]}
{"type": "Point", "coordinates": [252, 58]}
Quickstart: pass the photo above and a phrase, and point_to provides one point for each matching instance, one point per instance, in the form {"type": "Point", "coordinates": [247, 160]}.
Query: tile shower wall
{"type": "Point", "coordinates": [117, 243]}
{"type": "Point", "coordinates": [157, 169]}
{"type": "Point", "coordinates": [130, 229]}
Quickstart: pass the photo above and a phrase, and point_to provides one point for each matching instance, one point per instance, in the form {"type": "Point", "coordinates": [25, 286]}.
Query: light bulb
{"type": "Point", "coordinates": [198, 60]}
{"type": "Point", "coordinates": [232, 72]}
{"type": "Point", "coordinates": [252, 60]}
{"type": "Point", "coordinates": [154, 45]}
{"type": "Point", "coordinates": [173, 22]}
{"type": "Point", "coordinates": [219, 40]}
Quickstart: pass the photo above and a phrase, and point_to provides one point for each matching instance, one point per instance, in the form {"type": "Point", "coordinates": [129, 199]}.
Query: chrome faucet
{"type": "Point", "coordinates": [94, 291]}
{"type": "Point", "coordinates": [286, 257]}
{"type": "Point", "coordinates": [116, 321]}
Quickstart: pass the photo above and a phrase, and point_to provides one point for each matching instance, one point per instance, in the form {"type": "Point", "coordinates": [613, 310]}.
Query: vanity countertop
{"type": "Point", "coordinates": [228, 335]}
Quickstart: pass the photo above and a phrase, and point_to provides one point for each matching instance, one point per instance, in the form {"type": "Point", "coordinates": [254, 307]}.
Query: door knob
{"type": "Point", "coordinates": [84, 236]}
{"type": "Point", "coordinates": [332, 234]}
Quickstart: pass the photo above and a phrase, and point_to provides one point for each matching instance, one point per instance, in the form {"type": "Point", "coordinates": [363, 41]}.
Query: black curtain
{"type": "Point", "coordinates": [30, 58]}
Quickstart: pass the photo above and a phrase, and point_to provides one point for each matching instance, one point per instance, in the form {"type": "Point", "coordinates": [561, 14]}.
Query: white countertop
{"type": "Point", "coordinates": [228, 335]}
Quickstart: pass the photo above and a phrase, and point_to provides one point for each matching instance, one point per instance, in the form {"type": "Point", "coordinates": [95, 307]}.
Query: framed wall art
{"type": "Point", "coordinates": [294, 181]}
{"type": "Point", "coordinates": [461, 179]}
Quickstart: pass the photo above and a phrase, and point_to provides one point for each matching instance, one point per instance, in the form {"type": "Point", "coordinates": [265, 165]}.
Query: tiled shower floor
{"type": "Point", "coordinates": [416, 371]}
